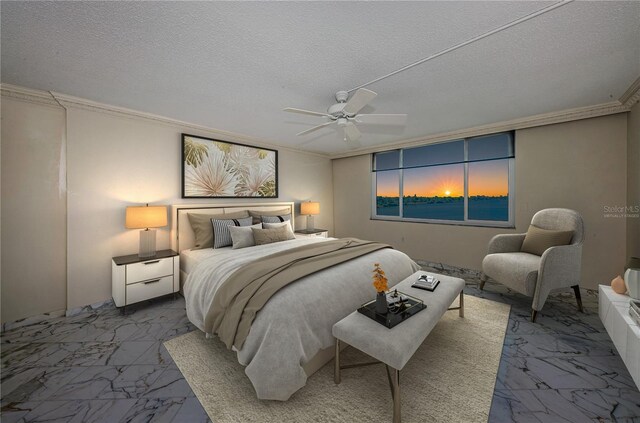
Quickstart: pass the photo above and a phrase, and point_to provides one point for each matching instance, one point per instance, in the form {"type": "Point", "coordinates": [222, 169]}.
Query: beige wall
{"type": "Point", "coordinates": [33, 210]}
{"type": "Point", "coordinates": [633, 182]}
{"type": "Point", "coordinates": [579, 165]}
{"type": "Point", "coordinates": [112, 161]}
{"type": "Point", "coordinates": [117, 161]}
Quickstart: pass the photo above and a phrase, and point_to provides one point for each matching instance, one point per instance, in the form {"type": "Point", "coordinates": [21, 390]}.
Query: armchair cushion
{"type": "Point", "coordinates": [518, 271]}
{"type": "Point", "coordinates": [538, 240]}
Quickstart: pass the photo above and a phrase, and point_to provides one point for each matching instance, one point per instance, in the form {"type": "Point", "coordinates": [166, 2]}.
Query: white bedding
{"type": "Point", "coordinates": [296, 322]}
{"type": "Point", "coordinates": [190, 258]}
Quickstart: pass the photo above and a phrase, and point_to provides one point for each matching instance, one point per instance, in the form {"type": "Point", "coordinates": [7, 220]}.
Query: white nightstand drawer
{"type": "Point", "coordinates": [151, 269]}
{"type": "Point", "coordinates": [150, 289]}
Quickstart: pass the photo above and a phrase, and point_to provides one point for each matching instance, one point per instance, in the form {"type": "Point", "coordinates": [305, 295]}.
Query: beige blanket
{"type": "Point", "coordinates": [247, 290]}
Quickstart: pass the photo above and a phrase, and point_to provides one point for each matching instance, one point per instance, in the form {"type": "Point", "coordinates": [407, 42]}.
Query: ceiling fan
{"type": "Point", "coordinates": [345, 114]}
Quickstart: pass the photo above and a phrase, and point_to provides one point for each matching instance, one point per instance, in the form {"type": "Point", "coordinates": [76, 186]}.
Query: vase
{"type": "Point", "coordinates": [381, 303]}
{"type": "Point", "coordinates": [632, 281]}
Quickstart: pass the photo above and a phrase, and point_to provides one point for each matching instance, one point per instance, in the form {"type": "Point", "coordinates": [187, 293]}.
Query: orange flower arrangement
{"type": "Point", "coordinates": [379, 279]}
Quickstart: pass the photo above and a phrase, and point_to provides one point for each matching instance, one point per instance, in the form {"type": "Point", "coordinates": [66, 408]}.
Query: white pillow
{"type": "Point", "coordinates": [241, 236]}
{"type": "Point", "coordinates": [277, 219]}
{"type": "Point", "coordinates": [266, 225]}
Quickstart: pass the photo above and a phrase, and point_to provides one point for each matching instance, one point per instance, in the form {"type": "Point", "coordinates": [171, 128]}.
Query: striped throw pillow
{"type": "Point", "coordinates": [221, 233]}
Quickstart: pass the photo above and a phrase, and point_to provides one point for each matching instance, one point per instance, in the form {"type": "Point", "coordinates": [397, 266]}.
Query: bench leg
{"type": "Point", "coordinates": [461, 312]}
{"type": "Point", "coordinates": [394, 382]}
{"type": "Point", "coordinates": [336, 369]}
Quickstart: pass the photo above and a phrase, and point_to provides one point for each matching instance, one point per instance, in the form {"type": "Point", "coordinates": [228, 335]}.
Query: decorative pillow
{"type": "Point", "coordinates": [242, 236]}
{"type": "Point", "coordinates": [538, 240]}
{"type": "Point", "coordinates": [257, 213]}
{"type": "Point", "coordinates": [221, 233]}
{"type": "Point", "coordinates": [287, 225]}
{"type": "Point", "coordinates": [267, 236]}
{"type": "Point", "coordinates": [201, 225]}
{"type": "Point", "coordinates": [277, 219]}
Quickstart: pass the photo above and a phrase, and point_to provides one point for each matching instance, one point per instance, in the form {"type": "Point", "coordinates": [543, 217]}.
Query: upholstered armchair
{"type": "Point", "coordinates": [532, 275]}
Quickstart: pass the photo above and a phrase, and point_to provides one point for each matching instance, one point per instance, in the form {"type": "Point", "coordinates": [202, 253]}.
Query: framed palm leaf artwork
{"type": "Point", "coordinates": [223, 169]}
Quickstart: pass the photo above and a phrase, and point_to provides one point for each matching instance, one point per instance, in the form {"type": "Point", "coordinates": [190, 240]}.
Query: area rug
{"type": "Point", "coordinates": [449, 379]}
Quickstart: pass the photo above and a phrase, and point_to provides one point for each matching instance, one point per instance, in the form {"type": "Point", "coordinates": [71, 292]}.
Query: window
{"type": "Point", "coordinates": [466, 181]}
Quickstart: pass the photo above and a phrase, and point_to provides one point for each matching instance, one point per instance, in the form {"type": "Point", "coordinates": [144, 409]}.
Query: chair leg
{"type": "Point", "coordinates": [534, 314]}
{"type": "Point", "coordinates": [483, 280]}
{"type": "Point", "coordinates": [576, 289]}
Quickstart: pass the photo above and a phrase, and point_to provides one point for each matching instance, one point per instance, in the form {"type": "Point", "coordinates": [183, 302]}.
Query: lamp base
{"type": "Point", "coordinates": [147, 243]}
{"type": "Point", "coordinates": [310, 223]}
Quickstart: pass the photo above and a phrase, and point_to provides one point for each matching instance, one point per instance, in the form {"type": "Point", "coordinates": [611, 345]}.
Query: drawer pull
{"type": "Point", "coordinates": [152, 262]}
{"type": "Point", "coordinates": [153, 281]}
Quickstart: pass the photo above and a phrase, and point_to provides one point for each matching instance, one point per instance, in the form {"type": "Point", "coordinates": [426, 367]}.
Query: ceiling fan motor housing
{"type": "Point", "coordinates": [336, 110]}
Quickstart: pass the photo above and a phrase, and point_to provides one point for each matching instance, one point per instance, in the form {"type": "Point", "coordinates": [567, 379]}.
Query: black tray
{"type": "Point", "coordinates": [393, 318]}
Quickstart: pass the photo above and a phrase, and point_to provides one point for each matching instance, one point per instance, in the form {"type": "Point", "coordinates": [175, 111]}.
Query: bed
{"type": "Point", "coordinates": [290, 337]}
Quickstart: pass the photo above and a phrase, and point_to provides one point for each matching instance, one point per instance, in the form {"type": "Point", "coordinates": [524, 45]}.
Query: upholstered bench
{"type": "Point", "coordinates": [394, 347]}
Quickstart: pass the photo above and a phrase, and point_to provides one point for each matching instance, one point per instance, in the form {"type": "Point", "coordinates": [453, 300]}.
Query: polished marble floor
{"type": "Point", "coordinates": [107, 367]}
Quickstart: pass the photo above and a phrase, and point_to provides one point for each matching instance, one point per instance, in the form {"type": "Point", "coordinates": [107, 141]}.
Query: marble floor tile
{"type": "Point", "coordinates": [91, 411]}
{"type": "Point", "coordinates": [89, 384]}
{"type": "Point", "coordinates": [170, 384]}
{"type": "Point", "coordinates": [156, 354]}
{"type": "Point", "coordinates": [549, 345]}
{"type": "Point", "coordinates": [102, 353]}
{"type": "Point", "coordinates": [15, 412]}
{"type": "Point", "coordinates": [133, 381]}
{"type": "Point", "coordinates": [110, 382]}
{"type": "Point", "coordinates": [154, 410]}
{"type": "Point", "coordinates": [565, 405]}
{"type": "Point", "coordinates": [40, 384]}
{"type": "Point", "coordinates": [564, 373]}
{"type": "Point", "coordinates": [191, 412]}
{"type": "Point", "coordinates": [40, 354]}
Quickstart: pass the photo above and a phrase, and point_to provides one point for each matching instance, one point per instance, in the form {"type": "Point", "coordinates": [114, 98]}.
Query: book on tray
{"type": "Point", "coordinates": [427, 282]}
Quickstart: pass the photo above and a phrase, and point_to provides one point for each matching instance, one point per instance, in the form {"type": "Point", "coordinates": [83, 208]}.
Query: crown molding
{"type": "Point", "coordinates": [67, 101]}
{"type": "Point", "coordinates": [632, 95]}
{"type": "Point", "coordinates": [561, 116]}
{"type": "Point", "coordinates": [628, 99]}
{"type": "Point", "coordinates": [28, 94]}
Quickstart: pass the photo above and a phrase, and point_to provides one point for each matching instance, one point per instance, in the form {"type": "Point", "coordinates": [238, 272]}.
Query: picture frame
{"type": "Point", "coordinates": [223, 169]}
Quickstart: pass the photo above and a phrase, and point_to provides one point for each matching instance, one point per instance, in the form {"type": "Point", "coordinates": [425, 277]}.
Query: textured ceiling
{"type": "Point", "coordinates": [235, 65]}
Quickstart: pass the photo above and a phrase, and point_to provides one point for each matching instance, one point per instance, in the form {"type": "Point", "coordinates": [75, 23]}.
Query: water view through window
{"type": "Point", "coordinates": [431, 180]}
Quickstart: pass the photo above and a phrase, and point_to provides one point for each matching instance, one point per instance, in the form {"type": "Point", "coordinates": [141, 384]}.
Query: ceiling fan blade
{"type": "Point", "coordinates": [314, 128]}
{"type": "Point", "coordinates": [375, 119]}
{"type": "Point", "coordinates": [351, 132]}
{"type": "Point", "coordinates": [358, 100]}
{"type": "Point", "coordinates": [354, 144]}
{"type": "Point", "coordinates": [305, 112]}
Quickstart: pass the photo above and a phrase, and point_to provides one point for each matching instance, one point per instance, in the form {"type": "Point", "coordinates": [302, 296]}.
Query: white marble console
{"type": "Point", "coordinates": [624, 331]}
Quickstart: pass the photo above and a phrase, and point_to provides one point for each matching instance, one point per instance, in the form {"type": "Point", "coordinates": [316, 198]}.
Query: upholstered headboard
{"type": "Point", "coordinates": [182, 237]}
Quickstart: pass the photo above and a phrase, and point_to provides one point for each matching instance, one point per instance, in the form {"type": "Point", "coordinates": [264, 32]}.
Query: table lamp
{"type": "Point", "coordinates": [145, 217]}
{"type": "Point", "coordinates": [310, 209]}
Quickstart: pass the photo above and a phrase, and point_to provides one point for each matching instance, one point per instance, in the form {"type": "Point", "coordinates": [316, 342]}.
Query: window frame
{"type": "Point", "coordinates": [510, 223]}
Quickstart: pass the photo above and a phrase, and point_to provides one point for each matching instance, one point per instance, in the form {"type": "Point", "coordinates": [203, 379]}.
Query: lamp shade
{"type": "Point", "coordinates": [140, 217]}
{"type": "Point", "coordinates": [310, 208]}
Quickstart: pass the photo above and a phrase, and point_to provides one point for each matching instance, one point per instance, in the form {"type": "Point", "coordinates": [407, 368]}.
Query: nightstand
{"type": "Point", "coordinates": [305, 233]}
{"type": "Point", "coordinates": [135, 279]}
